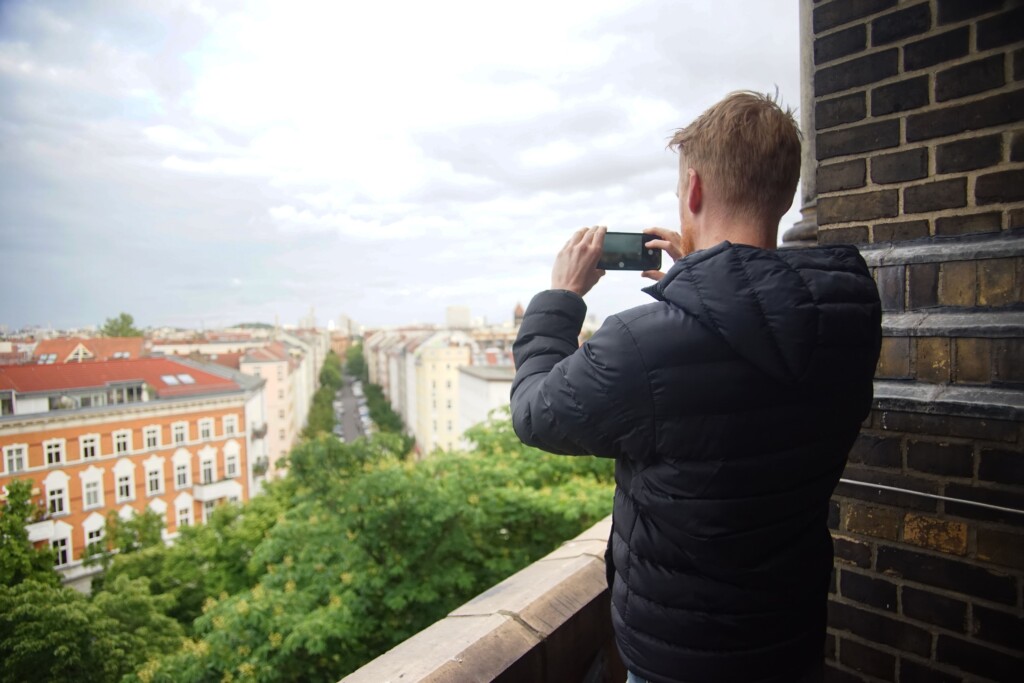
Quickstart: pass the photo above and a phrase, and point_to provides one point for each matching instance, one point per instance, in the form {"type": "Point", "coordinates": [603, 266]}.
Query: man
{"type": "Point", "coordinates": [729, 405]}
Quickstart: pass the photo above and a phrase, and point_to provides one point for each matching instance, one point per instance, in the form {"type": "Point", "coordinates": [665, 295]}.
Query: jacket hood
{"type": "Point", "coordinates": [770, 306]}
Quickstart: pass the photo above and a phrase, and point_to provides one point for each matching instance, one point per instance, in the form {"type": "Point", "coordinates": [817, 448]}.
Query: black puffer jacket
{"type": "Point", "coordinates": [730, 406]}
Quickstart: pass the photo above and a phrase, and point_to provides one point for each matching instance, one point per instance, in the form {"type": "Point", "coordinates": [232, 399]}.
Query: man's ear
{"type": "Point", "coordinates": [694, 191]}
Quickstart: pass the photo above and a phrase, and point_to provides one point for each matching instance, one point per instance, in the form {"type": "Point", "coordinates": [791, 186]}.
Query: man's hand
{"type": "Point", "coordinates": [575, 266]}
{"type": "Point", "coordinates": [670, 242]}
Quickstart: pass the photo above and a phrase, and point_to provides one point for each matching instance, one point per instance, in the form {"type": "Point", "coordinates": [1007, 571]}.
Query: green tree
{"type": "Point", "coordinates": [355, 363]}
{"type": "Point", "coordinates": [19, 559]}
{"type": "Point", "coordinates": [121, 326]}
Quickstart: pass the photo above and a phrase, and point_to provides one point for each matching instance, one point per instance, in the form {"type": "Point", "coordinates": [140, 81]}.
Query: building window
{"type": "Point", "coordinates": [231, 465]}
{"type": "Point", "coordinates": [94, 539]}
{"type": "Point", "coordinates": [280, 393]}
{"type": "Point", "coordinates": [92, 495]}
{"type": "Point", "coordinates": [122, 442]}
{"type": "Point", "coordinates": [448, 404]}
{"type": "Point", "coordinates": [280, 372]}
{"type": "Point", "coordinates": [280, 435]}
{"type": "Point", "coordinates": [185, 515]}
{"type": "Point", "coordinates": [449, 425]}
{"type": "Point", "coordinates": [89, 446]}
{"type": "Point", "coordinates": [208, 506]}
{"type": "Point", "coordinates": [152, 436]}
{"type": "Point", "coordinates": [14, 458]}
{"type": "Point", "coordinates": [54, 452]}
{"type": "Point", "coordinates": [230, 425]}
{"type": "Point", "coordinates": [448, 384]}
{"type": "Point", "coordinates": [280, 413]}
{"type": "Point", "coordinates": [125, 487]}
{"type": "Point", "coordinates": [180, 431]}
{"type": "Point", "coordinates": [60, 551]}
{"type": "Point", "coordinates": [154, 482]}
{"type": "Point", "coordinates": [181, 475]}
{"type": "Point", "coordinates": [55, 501]}
{"type": "Point", "coordinates": [206, 429]}
{"type": "Point", "coordinates": [206, 473]}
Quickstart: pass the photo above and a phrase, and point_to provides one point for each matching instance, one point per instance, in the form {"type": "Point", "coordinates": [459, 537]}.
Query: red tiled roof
{"type": "Point", "coordinates": [101, 348]}
{"type": "Point", "coordinates": [228, 360]}
{"type": "Point", "coordinates": [152, 371]}
{"type": "Point", "coordinates": [272, 352]}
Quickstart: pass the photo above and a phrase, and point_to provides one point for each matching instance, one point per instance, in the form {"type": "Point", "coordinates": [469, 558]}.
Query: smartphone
{"type": "Point", "coordinates": [629, 251]}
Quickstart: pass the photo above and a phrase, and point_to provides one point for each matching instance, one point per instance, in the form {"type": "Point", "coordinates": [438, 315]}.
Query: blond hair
{"type": "Point", "coordinates": [746, 150]}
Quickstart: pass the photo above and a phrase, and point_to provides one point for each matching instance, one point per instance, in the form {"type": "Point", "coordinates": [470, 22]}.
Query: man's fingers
{"type": "Point", "coordinates": [653, 274]}
{"type": "Point", "coordinates": [660, 244]}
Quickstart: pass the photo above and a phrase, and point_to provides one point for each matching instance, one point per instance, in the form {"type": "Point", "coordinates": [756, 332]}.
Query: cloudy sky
{"type": "Point", "coordinates": [200, 163]}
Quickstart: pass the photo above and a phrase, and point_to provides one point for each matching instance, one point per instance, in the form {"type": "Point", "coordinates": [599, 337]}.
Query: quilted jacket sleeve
{"type": "Point", "coordinates": [594, 399]}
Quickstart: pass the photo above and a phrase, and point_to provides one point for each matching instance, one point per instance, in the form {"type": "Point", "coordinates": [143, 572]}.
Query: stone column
{"type": "Point", "coordinates": [805, 232]}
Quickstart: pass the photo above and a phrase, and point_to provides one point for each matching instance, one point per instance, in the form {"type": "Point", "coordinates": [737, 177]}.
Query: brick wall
{"type": "Point", "coordinates": [919, 126]}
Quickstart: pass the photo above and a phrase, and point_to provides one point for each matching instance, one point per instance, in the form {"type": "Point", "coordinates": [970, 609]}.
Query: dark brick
{"type": "Point", "coordinates": [867, 660]}
{"type": "Point", "coordinates": [830, 646]}
{"type": "Point", "coordinates": [967, 155]}
{"type": "Point", "coordinates": [854, 552]}
{"type": "Point", "coordinates": [948, 425]}
{"type": "Point", "coordinates": [839, 12]}
{"type": "Point", "coordinates": [877, 593]}
{"type": "Point", "coordinates": [833, 514]}
{"type": "Point", "coordinates": [1002, 467]}
{"type": "Point", "coordinates": [856, 234]}
{"type": "Point", "coordinates": [934, 362]}
{"type": "Point", "coordinates": [903, 24]}
{"type": "Point", "coordinates": [893, 361]}
{"type": "Point", "coordinates": [856, 72]}
{"type": "Point", "coordinates": [991, 111]}
{"type": "Point", "coordinates": [900, 232]}
{"type": "Point", "coordinates": [840, 44]}
{"type": "Point", "coordinates": [912, 672]}
{"type": "Point", "coordinates": [879, 628]}
{"type": "Point", "coordinates": [1018, 65]}
{"type": "Point", "coordinates": [923, 285]}
{"type": "Point", "coordinates": [958, 283]}
{"type": "Point", "coordinates": [942, 194]}
{"type": "Point", "coordinates": [878, 496]}
{"type": "Point", "coordinates": [958, 10]}
{"type": "Point", "coordinates": [890, 287]}
{"type": "Point", "coordinates": [911, 93]}
{"type": "Point", "coordinates": [1015, 219]}
{"type": "Point", "coordinates": [860, 206]}
{"type": "Point", "coordinates": [934, 609]}
{"type": "Point", "coordinates": [834, 675]}
{"type": "Point", "coordinates": [1017, 146]}
{"type": "Point", "coordinates": [953, 575]}
{"type": "Point", "coordinates": [973, 359]}
{"type": "Point", "coordinates": [1007, 499]}
{"type": "Point", "coordinates": [840, 110]}
{"type": "Point", "coordinates": [978, 659]}
{"type": "Point", "coordinates": [953, 460]}
{"type": "Point", "coordinates": [1001, 29]}
{"type": "Point", "coordinates": [1004, 186]}
{"type": "Point", "coordinates": [857, 139]}
{"type": "Point", "coordinates": [970, 78]}
{"type": "Point", "coordinates": [1003, 548]}
{"type": "Point", "coordinates": [997, 282]}
{"type": "Point", "coordinates": [941, 48]}
{"type": "Point", "coordinates": [1008, 355]}
{"type": "Point", "coordinates": [845, 175]}
{"type": "Point", "coordinates": [900, 167]}
{"type": "Point", "coordinates": [970, 224]}
{"type": "Point", "coordinates": [998, 627]}
{"type": "Point", "coordinates": [876, 451]}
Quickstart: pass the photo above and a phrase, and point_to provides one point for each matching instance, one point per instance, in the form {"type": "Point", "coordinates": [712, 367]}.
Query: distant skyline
{"type": "Point", "coordinates": [202, 164]}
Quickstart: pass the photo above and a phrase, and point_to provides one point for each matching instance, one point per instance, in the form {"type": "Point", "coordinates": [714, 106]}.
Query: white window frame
{"type": "Point", "coordinates": [208, 507]}
{"type": "Point", "coordinates": [122, 437]}
{"type": "Point", "coordinates": [57, 501]}
{"type": "Point", "coordinates": [185, 519]}
{"type": "Point", "coordinates": [15, 454]}
{"type": "Point", "coordinates": [230, 425]}
{"type": "Point", "coordinates": [61, 545]}
{"type": "Point", "coordinates": [151, 434]}
{"type": "Point", "coordinates": [206, 429]}
{"type": "Point", "coordinates": [93, 476]}
{"type": "Point", "coordinates": [125, 470]}
{"type": "Point", "coordinates": [184, 503]}
{"type": "Point", "coordinates": [86, 441]}
{"type": "Point", "coordinates": [230, 465]}
{"type": "Point", "coordinates": [95, 537]}
{"type": "Point", "coordinates": [154, 476]}
{"type": "Point", "coordinates": [175, 429]}
{"type": "Point", "coordinates": [182, 458]}
{"type": "Point", "coordinates": [207, 465]}
{"type": "Point", "coordinates": [54, 447]}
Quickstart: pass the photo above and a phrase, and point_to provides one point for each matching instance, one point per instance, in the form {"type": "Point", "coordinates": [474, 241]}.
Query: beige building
{"type": "Point", "coordinates": [437, 363]}
{"type": "Point", "coordinates": [275, 366]}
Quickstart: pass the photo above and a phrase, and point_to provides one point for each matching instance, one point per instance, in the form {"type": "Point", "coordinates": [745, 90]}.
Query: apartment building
{"type": "Point", "coordinates": [277, 367]}
{"type": "Point", "coordinates": [437, 361]}
{"type": "Point", "coordinates": [126, 435]}
{"type": "Point", "coordinates": [482, 389]}
{"type": "Point", "coordinates": [85, 350]}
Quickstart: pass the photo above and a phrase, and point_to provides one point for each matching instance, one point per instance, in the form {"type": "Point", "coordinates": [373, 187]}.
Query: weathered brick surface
{"type": "Point", "coordinates": [933, 360]}
{"type": "Point", "coordinates": [922, 284]}
{"type": "Point", "coordinates": [1018, 65]}
{"type": "Point", "coordinates": [852, 552]}
{"type": "Point", "coordinates": [970, 78]}
{"type": "Point", "coordinates": [911, 164]}
{"type": "Point", "coordinates": [839, 110]}
{"type": "Point", "coordinates": [867, 660]}
{"type": "Point", "coordinates": [941, 194]}
{"type": "Point", "coordinates": [877, 451]}
{"type": "Point", "coordinates": [948, 425]}
{"type": "Point", "coordinates": [840, 44]}
{"type": "Point", "coordinates": [914, 672]}
{"type": "Point", "coordinates": [867, 137]}
{"type": "Point", "coordinates": [845, 175]}
{"type": "Point", "coordinates": [997, 284]}
{"type": "Point", "coordinates": [861, 206]}
{"type": "Point", "coordinates": [879, 628]}
{"type": "Point", "coordinates": [948, 573]}
{"type": "Point", "coordinates": [894, 26]}
{"type": "Point", "coordinates": [1015, 219]}
{"type": "Point", "coordinates": [858, 234]}
{"type": "Point", "coordinates": [938, 457]}
{"type": "Point", "coordinates": [1008, 360]}
{"type": "Point", "coordinates": [978, 659]}
{"type": "Point", "coordinates": [838, 12]}
{"type": "Point", "coordinates": [856, 72]}
{"type": "Point", "coordinates": [904, 95]}
{"type": "Point", "coordinates": [868, 520]}
{"type": "Point", "coordinates": [958, 10]}
{"type": "Point", "coordinates": [890, 281]}
{"type": "Point", "coordinates": [900, 231]}
{"type": "Point", "coordinates": [1011, 499]}
{"type": "Point", "coordinates": [998, 626]}
{"type": "Point", "coordinates": [1003, 548]}
{"type": "Point", "coordinates": [973, 361]}
{"type": "Point", "coordinates": [1003, 467]}
{"type": "Point", "coordinates": [1001, 29]}
{"type": "Point", "coordinates": [937, 49]}
{"type": "Point", "coordinates": [894, 359]}
{"type": "Point", "coordinates": [969, 154]}
{"type": "Point", "coordinates": [1003, 186]}
{"type": "Point", "coordinates": [991, 111]}
{"type": "Point", "coordinates": [969, 224]}
{"type": "Point", "coordinates": [958, 283]}
{"type": "Point", "coordinates": [1017, 146]}
{"type": "Point", "coordinates": [935, 534]}
{"type": "Point", "coordinates": [875, 592]}
{"type": "Point", "coordinates": [934, 608]}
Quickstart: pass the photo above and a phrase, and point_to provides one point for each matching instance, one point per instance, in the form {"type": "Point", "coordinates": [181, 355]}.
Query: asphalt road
{"type": "Point", "coordinates": [350, 420]}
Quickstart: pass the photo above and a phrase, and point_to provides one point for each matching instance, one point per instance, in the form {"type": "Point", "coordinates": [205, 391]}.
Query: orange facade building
{"type": "Point", "coordinates": [157, 434]}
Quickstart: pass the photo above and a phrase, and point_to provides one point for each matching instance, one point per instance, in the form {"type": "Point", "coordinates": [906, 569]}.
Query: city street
{"type": "Point", "coordinates": [349, 420]}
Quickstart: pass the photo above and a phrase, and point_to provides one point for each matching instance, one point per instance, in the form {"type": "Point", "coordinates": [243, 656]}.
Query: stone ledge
{"type": "Point", "coordinates": [943, 324]}
{"type": "Point", "coordinates": [942, 399]}
{"type": "Point", "coordinates": [505, 633]}
{"type": "Point", "coordinates": [1006, 244]}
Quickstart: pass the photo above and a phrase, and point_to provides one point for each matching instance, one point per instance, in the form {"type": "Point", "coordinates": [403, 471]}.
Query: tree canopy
{"type": "Point", "coordinates": [121, 326]}
{"type": "Point", "coordinates": [19, 560]}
